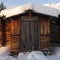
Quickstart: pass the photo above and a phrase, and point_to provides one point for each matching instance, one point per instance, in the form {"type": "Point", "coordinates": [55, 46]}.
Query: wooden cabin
{"type": "Point", "coordinates": [28, 28]}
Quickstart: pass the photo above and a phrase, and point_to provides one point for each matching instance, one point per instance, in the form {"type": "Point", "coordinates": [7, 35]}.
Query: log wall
{"type": "Point", "coordinates": [44, 33]}
{"type": "Point", "coordinates": [14, 30]}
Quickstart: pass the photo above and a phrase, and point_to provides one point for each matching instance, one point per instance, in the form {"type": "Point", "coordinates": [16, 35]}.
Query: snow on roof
{"type": "Point", "coordinates": [56, 6]}
{"type": "Point", "coordinates": [36, 7]}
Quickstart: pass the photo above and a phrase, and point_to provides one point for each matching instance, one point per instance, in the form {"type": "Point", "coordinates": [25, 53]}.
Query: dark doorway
{"type": "Point", "coordinates": [29, 34]}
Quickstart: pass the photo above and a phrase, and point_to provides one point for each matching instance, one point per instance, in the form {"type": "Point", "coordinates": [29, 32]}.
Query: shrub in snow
{"type": "Point", "coordinates": [4, 51]}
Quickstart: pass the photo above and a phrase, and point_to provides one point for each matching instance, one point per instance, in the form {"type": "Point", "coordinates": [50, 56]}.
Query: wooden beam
{"type": "Point", "coordinates": [3, 32]}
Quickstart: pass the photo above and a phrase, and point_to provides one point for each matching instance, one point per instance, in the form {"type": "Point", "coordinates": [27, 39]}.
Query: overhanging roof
{"type": "Point", "coordinates": [36, 7]}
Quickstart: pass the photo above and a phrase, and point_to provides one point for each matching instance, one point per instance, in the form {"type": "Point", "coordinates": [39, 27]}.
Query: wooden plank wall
{"type": "Point", "coordinates": [8, 33]}
{"type": "Point", "coordinates": [44, 33]}
{"type": "Point", "coordinates": [13, 34]}
{"type": "Point", "coordinates": [55, 33]}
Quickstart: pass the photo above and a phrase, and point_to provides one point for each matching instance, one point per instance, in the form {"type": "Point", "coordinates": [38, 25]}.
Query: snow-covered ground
{"type": "Point", "coordinates": [34, 55]}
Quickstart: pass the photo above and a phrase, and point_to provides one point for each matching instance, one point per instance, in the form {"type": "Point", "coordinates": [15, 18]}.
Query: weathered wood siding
{"type": "Point", "coordinates": [8, 33]}
{"type": "Point", "coordinates": [13, 34]}
{"type": "Point", "coordinates": [44, 33]}
{"type": "Point", "coordinates": [55, 32]}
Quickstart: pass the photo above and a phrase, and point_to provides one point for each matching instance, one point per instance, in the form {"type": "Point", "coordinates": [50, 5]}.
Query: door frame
{"type": "Point", "coordinates": [31, 19]}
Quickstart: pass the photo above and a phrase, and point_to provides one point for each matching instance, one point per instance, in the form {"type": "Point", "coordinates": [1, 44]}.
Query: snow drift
{"type": "Point", "coordinates": [53, 57]}
{"type": "Point", "coordinates": [7, 58]}
{"type": "Point", "coordinates": [34, 55]}
{"type": "Point", "coordinates": [56, 51]}
{"type": "Point", "coordinates": [4, 51]}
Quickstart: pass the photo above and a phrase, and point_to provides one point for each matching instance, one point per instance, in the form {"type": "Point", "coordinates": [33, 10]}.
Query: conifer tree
{"type": "Point", "coordinates": [2, 7]}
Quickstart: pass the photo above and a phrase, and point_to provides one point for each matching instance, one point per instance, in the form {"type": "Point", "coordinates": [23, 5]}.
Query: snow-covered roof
{"type": "Point", "coordinates": [56, 6]}
{"type": "Point", "coordinates": [36, 7]}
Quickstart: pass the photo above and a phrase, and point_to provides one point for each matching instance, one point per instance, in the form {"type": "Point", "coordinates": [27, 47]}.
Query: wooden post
{"type": "Point", "coordinates": [3, 32]}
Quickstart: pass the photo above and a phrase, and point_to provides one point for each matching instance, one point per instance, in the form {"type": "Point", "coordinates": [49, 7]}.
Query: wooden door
{"type": "Point", "coordinates": [29, 34]}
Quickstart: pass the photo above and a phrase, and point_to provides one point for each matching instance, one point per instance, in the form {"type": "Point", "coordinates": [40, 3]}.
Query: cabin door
{"type": "Point", "coordinates": [29, 34]}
